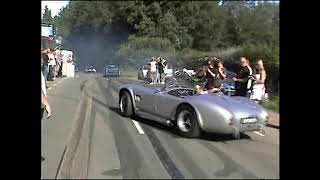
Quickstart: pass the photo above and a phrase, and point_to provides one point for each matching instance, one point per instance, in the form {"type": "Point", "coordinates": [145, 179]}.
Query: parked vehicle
{"type": "Point", "coordinates": [111, 71]}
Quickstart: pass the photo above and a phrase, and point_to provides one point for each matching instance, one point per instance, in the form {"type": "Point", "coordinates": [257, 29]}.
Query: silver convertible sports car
{"type": "Point", "coordinates": [177, 106]}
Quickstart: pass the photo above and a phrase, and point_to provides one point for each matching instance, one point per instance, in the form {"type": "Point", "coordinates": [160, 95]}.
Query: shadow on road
{"type": "Point", "coordinates": [221, 137]}
{"type": "Point", "coordinates": [204, 136]}
{"type": "Point", "coordinates": [59, 96]}
{"type": "Point", "coordinates": [149, 123]}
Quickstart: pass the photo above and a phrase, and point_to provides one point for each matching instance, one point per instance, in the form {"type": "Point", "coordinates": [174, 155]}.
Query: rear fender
{"type": "Point", "coordinates": [174, 113]}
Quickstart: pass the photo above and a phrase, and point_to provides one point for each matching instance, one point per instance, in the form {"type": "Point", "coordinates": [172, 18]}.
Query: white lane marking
{"type": "Point", "coordinates": [54, 84]}
{"type": "Point", "coordinates": [138, 127]}
{"type": "Point", "coordinates": [49, 88]}
{"type": "Point", "coordinates": [107, 79]}
{"type": "Point", "coordinates": [258, 133]}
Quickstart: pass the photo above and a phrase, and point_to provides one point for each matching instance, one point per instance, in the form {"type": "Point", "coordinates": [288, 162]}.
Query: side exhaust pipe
{"type": "Point", "coordinates": [236, 133]}
{"type": "Point", "coordinates": [169, 123]}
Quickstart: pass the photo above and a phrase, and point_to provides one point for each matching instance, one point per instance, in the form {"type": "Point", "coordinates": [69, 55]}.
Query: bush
{"type": "Point", "coordinates": [267, 52]}
{"type": "Point", "coordinates": [272, 103]}
{"type": "Point", "coordinates": [129, 71]}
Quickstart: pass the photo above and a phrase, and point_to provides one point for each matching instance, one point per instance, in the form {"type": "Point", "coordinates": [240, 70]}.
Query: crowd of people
{"type": "Point", "coordinates": [248, 82]}
{"type": "Point", "coordinates": [157, 71]}
{"type": "Point", "coordinates": [53, 64]}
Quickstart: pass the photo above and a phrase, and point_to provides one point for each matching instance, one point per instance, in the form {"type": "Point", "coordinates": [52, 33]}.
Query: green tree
{"type": "Point", "coordinates": [47, 17]}
{"type": "Point", "coordinates": [168, 27]}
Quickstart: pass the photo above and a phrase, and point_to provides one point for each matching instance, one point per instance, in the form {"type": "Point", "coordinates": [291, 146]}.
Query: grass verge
{"type": "Point", "coordinates": [129, 72]}
{"type": "Point", "coordinates": [272, 103]}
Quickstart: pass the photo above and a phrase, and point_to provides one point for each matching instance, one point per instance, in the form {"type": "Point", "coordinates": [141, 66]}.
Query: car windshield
{"type": "Point", "coordinates": [178, 82]}
{"type": "Point", "coordinates": [111, 66]}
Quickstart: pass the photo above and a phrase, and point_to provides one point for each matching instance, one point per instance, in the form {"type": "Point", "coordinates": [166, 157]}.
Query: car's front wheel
{"type": "Point", "coordinates": [187, 122]}
{"type": "Point", "coordinates": [125, 104]}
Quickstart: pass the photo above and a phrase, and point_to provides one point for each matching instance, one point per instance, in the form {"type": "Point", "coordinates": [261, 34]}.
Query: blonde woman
{"type": "Point", "coordinates": [259, 78]}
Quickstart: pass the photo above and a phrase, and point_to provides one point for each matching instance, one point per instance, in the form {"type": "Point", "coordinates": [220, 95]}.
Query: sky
{"type": "Point", "coordinates": [54, 6]}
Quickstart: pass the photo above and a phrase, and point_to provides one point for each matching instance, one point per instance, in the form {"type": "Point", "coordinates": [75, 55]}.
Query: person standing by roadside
{"type": "Point", "coordinates": [210, 77]}
{"type": "Point", "coordinates": [45, 61]}
{"type": "Point", "coordinates": [157, 72]}
{"type": "Point", "coordinates": [64, 59]}
{"type": "Point", "coordinates": [242, 81]}
{"type": "Point", "coordinates": [58, 61]}
{"type": "Point", "coordinates": [52, 63]}
{"type": "Point", "coordinates": [258, 89]}
{"type": "Point", "coordinates": [220, 73]}
{"type": "Point", "coordinates": [153, 70]}
{"type": "Point", "coordinates": [162, 64]}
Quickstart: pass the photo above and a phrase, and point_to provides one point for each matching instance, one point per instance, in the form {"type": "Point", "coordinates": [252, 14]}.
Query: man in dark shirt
{"type": "Point", "coordinates": [162, 65]}
{"type": "Point", "coordinates": [45, 60]}
{"type": "Point", "coordinates": [220, 73]}
{"type": "Point", "coordinates": [242, 81]}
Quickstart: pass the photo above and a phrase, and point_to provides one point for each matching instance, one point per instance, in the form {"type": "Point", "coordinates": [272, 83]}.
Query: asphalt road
{"type": "Point", "coordinates": [87, 138]}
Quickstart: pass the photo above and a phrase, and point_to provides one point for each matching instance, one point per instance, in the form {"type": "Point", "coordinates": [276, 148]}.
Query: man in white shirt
{"type": "Point", "coordinates": [52, 65]}
{"type": "Point", "coordinates": [153, 70]}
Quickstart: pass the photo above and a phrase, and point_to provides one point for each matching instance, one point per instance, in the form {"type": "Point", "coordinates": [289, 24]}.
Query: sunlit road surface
{"type": "Point", "coordinates": [87, 138]}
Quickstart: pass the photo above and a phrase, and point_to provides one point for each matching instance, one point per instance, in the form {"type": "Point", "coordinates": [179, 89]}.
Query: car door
{"type": "Point", "coordinates": [166, 103]}
{"type": "Point", "coordinates": [145, 99]}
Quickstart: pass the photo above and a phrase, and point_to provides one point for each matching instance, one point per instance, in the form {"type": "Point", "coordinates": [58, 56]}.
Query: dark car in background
{"type": "Point", "coordinates": [111, 71]}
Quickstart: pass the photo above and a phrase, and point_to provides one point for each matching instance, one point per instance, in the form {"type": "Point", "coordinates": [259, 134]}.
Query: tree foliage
{"type": "Point", "coordinates": [232, 21]}
{"type": "Point", "coordinates": [132, 31]}
{"type": "Point", "coordinates": [198, 25]}
{"type": "Point", "coordinates": [47, 17]}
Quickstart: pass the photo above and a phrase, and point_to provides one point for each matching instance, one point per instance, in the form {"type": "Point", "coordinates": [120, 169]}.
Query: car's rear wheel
{"type": "Point", "coordinates": [125, 104]}
{"type": "Point", "coordinates": [187, 122]}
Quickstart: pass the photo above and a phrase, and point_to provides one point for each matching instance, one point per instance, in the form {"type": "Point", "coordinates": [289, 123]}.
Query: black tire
{"type": "Point", "coordinates": [191, 129]}
{"type": "Point", "coordinates": [125, 104]}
